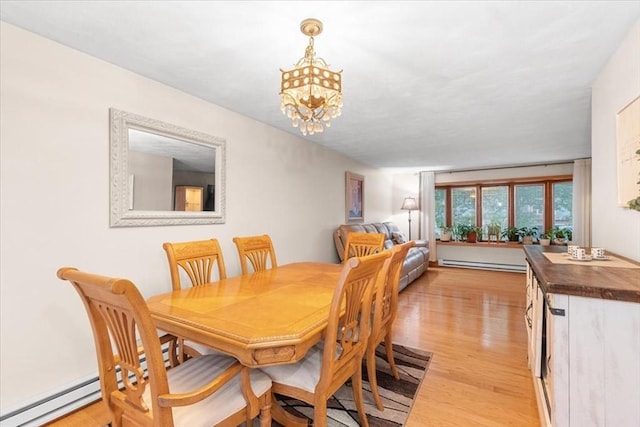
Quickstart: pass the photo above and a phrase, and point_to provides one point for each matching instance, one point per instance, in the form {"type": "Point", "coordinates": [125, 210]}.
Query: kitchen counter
{"type": "Point", "coordinates": [589, 279]}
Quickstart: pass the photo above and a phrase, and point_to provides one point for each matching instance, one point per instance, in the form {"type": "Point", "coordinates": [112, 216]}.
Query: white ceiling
{"type": "Point", "coordinates": [427, 84]}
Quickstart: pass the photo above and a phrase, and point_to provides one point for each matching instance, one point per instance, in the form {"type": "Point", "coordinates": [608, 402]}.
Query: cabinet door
{"type": "Point", "coordinates": [535, 344]}
{"type": "Point", "coordinates": [557, 353]}
{"type": "Point", "coordinates": [528, 312]}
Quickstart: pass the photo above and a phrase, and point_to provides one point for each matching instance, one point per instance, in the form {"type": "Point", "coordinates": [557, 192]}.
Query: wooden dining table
{"type": "Point", "coordinates": [263, 318]}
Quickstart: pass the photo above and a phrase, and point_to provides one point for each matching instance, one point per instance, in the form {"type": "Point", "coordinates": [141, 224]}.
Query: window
{"type": "Point", "coordinates": [529, 206]}
{"type": "Point", "coordinates": [495, 206]}
{"type": "Point", "coordinates": [562, 204]}
{"type": "Point", "coordinates": [463, 205]}
{"type": "Point", "coordinates": [543, 203]}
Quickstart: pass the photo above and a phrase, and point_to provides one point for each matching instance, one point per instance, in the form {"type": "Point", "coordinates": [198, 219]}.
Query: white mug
{"type": "Point", "coordinates": [571, 250]}
{"type": "Point", "coordinates": [597, 252]}
{"type": "Point", "coordinates": [580, 253]}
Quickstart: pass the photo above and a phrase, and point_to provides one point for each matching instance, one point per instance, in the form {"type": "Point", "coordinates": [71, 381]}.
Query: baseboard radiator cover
{"type": "Point", "coordinates": [57, 404]}
{"type": "Point", "coordinates": [482, 265]}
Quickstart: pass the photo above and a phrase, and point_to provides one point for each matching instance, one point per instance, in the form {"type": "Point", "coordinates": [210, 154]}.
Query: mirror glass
{"type": "Point", "coordinates": [162, 174]}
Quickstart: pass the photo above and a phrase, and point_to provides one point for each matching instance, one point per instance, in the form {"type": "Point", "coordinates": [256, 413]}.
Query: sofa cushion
{"type": "Point", "coordinates": [398, 238]}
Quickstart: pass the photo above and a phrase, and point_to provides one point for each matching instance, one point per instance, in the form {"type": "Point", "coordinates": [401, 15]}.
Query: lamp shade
{"type": "Point", "coordinates": [409, 204]}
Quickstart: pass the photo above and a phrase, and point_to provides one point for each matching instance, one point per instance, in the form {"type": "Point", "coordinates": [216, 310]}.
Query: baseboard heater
{"type": "Point", "coordinates": [58, 404]}
{"type": "Point", "coordinates": [482, 265]}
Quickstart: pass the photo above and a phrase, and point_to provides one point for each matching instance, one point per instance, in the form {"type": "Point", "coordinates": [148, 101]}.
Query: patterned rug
{"type": "Point", "coordinates": [397, 395]}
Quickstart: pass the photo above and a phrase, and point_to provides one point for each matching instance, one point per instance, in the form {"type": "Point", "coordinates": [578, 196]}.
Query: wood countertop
{"type": "Point", "coordinates": [587, 280]}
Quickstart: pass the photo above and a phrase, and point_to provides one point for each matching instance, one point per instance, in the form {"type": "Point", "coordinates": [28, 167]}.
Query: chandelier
{"type": "Point", "coordinates": [311, 93]}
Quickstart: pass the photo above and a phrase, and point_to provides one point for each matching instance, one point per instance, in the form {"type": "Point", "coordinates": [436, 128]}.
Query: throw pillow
{"type": "Point", "coordinates": [398, 238]}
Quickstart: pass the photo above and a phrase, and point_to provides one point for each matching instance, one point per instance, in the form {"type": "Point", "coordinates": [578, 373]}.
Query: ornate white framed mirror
{"type": "Point", "coordinates": [163, 174]}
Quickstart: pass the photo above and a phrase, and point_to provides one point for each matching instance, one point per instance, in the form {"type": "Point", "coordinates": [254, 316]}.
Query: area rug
{"type": "Point", "coordinates": [397, 395]}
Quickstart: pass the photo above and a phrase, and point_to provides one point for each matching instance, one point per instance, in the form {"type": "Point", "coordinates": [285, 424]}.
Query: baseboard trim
{"type": "Point", "coordinates": [482, 265]}
{"type": "Point", "coordinates": [62, 402]}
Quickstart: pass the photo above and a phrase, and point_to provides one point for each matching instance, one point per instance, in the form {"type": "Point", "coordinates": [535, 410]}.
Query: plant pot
{"type": "Point", "coordinates": [445, 236]}
{"type": "Point", "coordinates": [527, 240]}
{"type": "Point", "coordinates": [545, 242]}
{"type": "Point", "coordinates": [472, 237]}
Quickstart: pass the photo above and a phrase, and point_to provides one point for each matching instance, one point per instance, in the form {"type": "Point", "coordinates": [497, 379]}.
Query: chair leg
{"type": "Point", "coordinates": [356, 383]}
{"type": "Point", "coordinates": [388, 345]}
{"type": "Point", "coordinates": [320, 414]}
{"type": "Point", "coordinates": [265, 410]}
{"type": "Point", "coordinates": [373, 379]}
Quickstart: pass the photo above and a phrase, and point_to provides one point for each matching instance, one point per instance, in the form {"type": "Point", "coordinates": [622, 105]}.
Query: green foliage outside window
{"type": "Point", "coordinates": [529, 209]}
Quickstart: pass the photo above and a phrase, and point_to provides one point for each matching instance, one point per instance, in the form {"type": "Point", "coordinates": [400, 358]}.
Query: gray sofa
{"type": "Point", "coordinates": [417, 259]}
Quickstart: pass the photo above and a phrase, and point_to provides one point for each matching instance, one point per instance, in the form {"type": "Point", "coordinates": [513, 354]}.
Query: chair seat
{"type": "Point", "coordinates": [197, 372]}
{"type": "Point", "coordinates": [201, 348]}
{"type": "Point", "coordinates": [304, 374]}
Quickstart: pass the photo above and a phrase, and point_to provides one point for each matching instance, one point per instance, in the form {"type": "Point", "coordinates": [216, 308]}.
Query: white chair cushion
{"type": "Point", "coordinates": [304, 374]}
{"type": "Point", "coordinates": [197, 372]}
{"type": "Point", "coordinates": [201, 348]}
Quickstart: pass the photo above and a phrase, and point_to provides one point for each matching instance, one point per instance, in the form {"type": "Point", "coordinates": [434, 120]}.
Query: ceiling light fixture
{"type": "Point", "coordinates": [311, 93]}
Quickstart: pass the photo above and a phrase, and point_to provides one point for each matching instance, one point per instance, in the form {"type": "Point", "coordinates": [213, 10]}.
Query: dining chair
{"type": "Point", "coordinates": [258, 250]}
{"type": "Point", "coordinates": [329, 364]}
{"type": "Point", "coordinates": [203, 391]}
{"type": "Point", "coordinates": [362, 244]}
{"type": "Point", "coordinates": [198, 261]}
{"type": "Point", "coordinates": [384, 313]}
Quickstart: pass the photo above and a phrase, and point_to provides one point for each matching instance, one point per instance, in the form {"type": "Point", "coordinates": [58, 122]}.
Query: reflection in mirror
{"type": "Point", "coordinates": [160, 167]}
{"type": "Point", "coordinates": [162, 174]}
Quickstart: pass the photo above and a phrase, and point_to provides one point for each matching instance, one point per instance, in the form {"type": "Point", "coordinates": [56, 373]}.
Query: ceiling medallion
{"type": "Point", "coordinates": [311, 93]}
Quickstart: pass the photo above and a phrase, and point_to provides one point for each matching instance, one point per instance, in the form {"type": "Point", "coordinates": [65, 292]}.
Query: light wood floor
{"type": "Point", "coordinates": [472, 321]}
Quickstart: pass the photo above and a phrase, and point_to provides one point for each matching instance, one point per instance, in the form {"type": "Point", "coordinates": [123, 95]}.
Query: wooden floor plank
{"type": "Point", "coordinates": [472, 320]}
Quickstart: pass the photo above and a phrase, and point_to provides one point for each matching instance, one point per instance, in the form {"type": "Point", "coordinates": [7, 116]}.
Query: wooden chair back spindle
{"type": "Point", "coordinates": [363, 244]}
{"type": "Point", "coordinates": [197, 259]}
{"type": "Point", "coordinates": [385, 311]}
{"type": "Point", "coordinates": [257, 250]}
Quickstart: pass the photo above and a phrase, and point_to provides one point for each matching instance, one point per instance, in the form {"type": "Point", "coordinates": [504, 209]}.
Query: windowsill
{"type": "Point", "coordinates": [484, 244]}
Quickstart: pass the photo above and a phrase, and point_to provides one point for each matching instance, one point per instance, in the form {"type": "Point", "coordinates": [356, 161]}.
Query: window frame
{"type": "Point", "coordinates": [511, 183]}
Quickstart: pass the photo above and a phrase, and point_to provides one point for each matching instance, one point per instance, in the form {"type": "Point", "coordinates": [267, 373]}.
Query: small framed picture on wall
{"type": "Point", "coordinates": [354, 198]}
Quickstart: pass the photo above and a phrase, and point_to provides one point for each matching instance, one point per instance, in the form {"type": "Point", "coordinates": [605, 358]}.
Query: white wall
{"type": "Point", "coordinates": [55, 200]}
{"type": "Point", "coordinates": [614, 228]}
{"type": "Point", "coordinates": [406, 185]}
{"type": "Point", "coordinates": [505, 173]}
{"type": "Point", "coordinates": [152, 181]}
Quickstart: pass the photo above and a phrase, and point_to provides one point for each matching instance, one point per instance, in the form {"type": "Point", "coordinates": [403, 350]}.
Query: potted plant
{"type": "Point", "coordinates": [445, 233]}
{"type": "Point", "coordinates": [528, 233]}
{"type": "Point", "coordinates": [462, 231]}
{"type": "Point", "coordinates": [568, 232]}
{"type": "Point", "coordinates": [479, 233]}
{"type": "Point", "coordinates": [493, 229]}
{"type": "Point", "coordinates": [545, 238]}
{"type": "Point", "coordinates": [635, 203]}
{"type": "Point", "coordinates": [474, 234]}
{"type": "Point", "coordinates": [512, 234]}
{"type": "Point", "coordinates": [468, 233]}
{"type": "Point", "coordinates": [559, 235]}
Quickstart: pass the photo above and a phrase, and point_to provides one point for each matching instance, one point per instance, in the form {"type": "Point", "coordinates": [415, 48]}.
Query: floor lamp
{"type": "Point", "coordinates": [409, 204]}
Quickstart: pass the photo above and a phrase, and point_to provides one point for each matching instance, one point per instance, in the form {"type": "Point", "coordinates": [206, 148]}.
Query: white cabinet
{"type": "Point", "coordinates": [584, 355]}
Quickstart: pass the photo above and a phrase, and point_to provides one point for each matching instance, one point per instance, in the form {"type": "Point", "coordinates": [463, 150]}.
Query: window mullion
{"type": "Point", "coordinates": [512, 198]}
{"type": "Point", "coordinates": [478, 206]}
